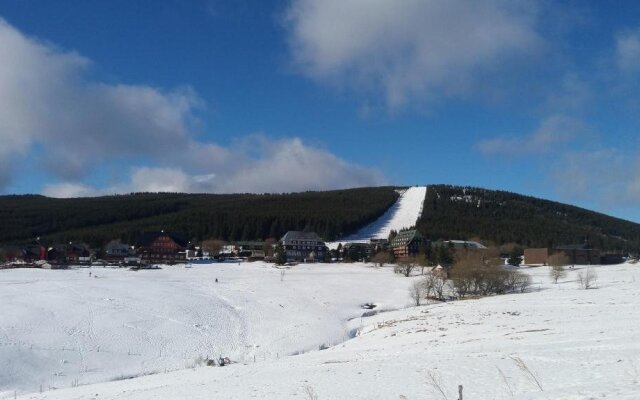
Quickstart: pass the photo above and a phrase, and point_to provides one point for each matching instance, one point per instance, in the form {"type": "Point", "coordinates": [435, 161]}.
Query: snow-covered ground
{"type": "Point", "coordinates": [554, 342]}
{"type": "Point", "coordinates": [404, 213]}
{"type": "Point", "coordinates": [59, 327]}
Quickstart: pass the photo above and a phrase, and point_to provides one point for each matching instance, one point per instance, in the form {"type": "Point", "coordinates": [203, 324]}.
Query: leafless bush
{"type": "Point", "coordinates": [479, 273]}
{"type": "Point", "coordinates": [435, 286]}
{"type": "Point", "coordinates": [434, 382]}
{"type": "Point", "coordinates": [557, 272]}
{"type": "Point", "coordinates": [524, 368]}
{"type": "Point", "coordinates": [405, 267]}
{"type": "Point", "coordinates": [381, 258]}
{"type": "Point", "coordinates": [417, 292]}
{"type": "Point", "coordinates": [587, 279]}
{"type": "Point", "coordinates": [310, 393]}
{"type": "Point", "coordinates": [557, 262]}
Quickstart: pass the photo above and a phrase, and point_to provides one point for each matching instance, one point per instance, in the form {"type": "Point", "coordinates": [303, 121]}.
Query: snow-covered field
{"type": "Point", "coordinates": [62, 327]}
{"type": "Point", "coordinates": [403, 214]}
{"type": "Point", "coordinates": [555, 342]}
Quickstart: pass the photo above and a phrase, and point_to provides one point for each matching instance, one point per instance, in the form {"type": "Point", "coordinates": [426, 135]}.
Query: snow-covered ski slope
{"type": "Point", "coordinates": [404, 213]}
{"type": "Point", "coordinates": [555, 342]}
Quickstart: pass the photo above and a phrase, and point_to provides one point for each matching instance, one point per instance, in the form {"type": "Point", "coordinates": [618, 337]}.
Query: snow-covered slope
{"type": "Point", "coordinates": [555, 342]}
{"type": "Point", "coordinates": [403, 214]}
{"type": "Point", "coordinates": [59, 327]}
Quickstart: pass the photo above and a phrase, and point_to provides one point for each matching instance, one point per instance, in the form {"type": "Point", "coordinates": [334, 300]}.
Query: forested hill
{"type": "Point", "coordinates": [499, 217]}
{"type": "Point", "coordinates": [199, 216]}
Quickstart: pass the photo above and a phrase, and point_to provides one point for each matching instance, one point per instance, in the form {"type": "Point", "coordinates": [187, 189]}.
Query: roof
{"type": "Point", "coordinates": [466, 243]}
{"type": "Point", "coordinates": [405, 237]}
{"type": "Point", "coordinates": [300, 235]}
{"type": "Point", "coordinates": [583, 246]}
{"type": "Point", "coordinates": [149, 237]}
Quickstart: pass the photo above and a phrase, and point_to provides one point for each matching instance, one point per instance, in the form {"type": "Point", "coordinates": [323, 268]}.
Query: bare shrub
{"type": "Point", "coordinates": [525, 369]}
{"type": "Point", "coordinates": [381, 258]}
{"type": "Point", "coordinates": [587, 279]}
{"type": "Point", "coordinates": [480, 273]}
{"type": "Point", "coordinates": [435, 286]}
{"type": "Point", "coordinates": [523, 282]}
{"type": "Point", "coordinates": [417, 292]}
{"type": "Point", "coordinates": [558, 262]}
{"type": "Point", "coordinates": [434, 382]}
{"type": "Point", "coordinates": [310, 393]}
{"type": "Point", "coordinates": [405, 266]}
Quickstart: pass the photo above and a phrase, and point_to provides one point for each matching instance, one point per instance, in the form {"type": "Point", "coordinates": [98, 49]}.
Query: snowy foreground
{"type": "Point", "coordinates": [63, 328]}
{"type": "Point", "coordinates": [555, 342]}
{"type": "Point", "coordinates": [403, 214]}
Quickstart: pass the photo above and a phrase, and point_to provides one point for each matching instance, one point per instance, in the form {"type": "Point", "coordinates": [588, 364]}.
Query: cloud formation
{"type": "Point", "coordinates": [553, 132]}
{"type": "Point", "coordinates": [608, 177]}
{"type": "Point", "coordinates": [49, 101]}
{"type": "Point", "coordinates": [410, 50]}
{"type": "Point", "coordinates": [627, 51]}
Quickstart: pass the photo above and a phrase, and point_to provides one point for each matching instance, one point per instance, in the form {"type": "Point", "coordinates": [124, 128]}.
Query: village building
{"type": "Point", "coordinates": [70, 253]}
{"type": "Point", "coordinates": [580, 254]}
{"type": "Point", "coordinates": [251, 250]}
{"type": "Point", "coordinates": [162, 248]}
{"type": "Point", "coordinates": [303, 246]}
{"type": "Point", "coordinates": [406, 244]}
{"type": "Point", "coordinates": [536, 256]}
{"type": "Point", "coordinates": [464, 244]}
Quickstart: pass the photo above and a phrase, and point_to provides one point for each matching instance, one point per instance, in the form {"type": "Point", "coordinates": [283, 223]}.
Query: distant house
{"type": "Point", "coordinates": [162, 247]}
{"type": "Point", "coordinates": [581, 254]}
{"type": "Point", "coordinates": [71, 253]}
{"type": "Point", "coordinates": [115, 250]}
{"type": "Point", "coordinates": [251, 250]}
{"type": "Point", "coordinates": [536, 256]}
{"type": "Point", "coordinates": [612, 258]}
{"type": "Point", "coordinates": [356, 251]}
{"type": "Point", "coordinates": [406, 243]}
{"type": "Point", "coordinates": [303, 246]}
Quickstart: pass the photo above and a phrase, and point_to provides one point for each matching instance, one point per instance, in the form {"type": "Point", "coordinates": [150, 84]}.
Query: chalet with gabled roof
{"type": "Point", "coordinates": [303, 246]}
{"type": "Point", "coordinates": [406, 243]}
{"type": "Point", "coordinates": [162, 247]}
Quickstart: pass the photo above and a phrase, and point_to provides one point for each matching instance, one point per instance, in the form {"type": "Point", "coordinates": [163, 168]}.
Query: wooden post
{"type": "Point", "coordinates": [459, 392]}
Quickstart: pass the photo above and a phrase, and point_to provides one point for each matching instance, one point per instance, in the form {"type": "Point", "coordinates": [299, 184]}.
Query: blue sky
{"type": "Point", "coordinates": [536, 97]}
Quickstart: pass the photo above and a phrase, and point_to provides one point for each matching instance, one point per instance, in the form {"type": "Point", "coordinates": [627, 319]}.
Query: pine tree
{"type": "Point", "coordinates": [280, 254]}
{"type": "Point", "coordinates": [514, 257]}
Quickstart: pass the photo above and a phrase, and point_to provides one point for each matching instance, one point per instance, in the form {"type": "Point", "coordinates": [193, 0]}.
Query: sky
{"type": "Point", "coordinates": [220, 96]}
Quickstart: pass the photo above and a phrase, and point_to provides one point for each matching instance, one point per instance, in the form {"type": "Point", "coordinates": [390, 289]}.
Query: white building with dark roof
{"type": "Point", "coordinates": [303, 246]}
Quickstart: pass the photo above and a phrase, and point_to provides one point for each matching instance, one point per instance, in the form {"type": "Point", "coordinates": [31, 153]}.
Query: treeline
{"type": "Point", "coordinates": [497, 218]}
{"type": "Point", "coordinates": [199, 216]}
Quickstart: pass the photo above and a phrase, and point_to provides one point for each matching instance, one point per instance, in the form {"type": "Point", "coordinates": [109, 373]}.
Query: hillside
{"type": "Point", "coordinates": [499, 217]}
{"type": "Point", "coordinates": [449, 212]}
{"type": "Point", "coordinates": [199, 216]}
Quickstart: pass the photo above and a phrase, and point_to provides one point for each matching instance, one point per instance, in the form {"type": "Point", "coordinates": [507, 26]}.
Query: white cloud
{"type": "Point", "coordinates": [552, 133]}
{"type": "Point", "coordinates": [412, 49]}
{"type": "Point", "coordinates": [68, 189]}
{"type": "Point", "coordinates": [628, 51]}
{"type": "Point", "coordinates": [608, 177]}
{"type": "Point", "coordinates": [49, 102]}
{"type": "Point", "coordinates": [285, 165]}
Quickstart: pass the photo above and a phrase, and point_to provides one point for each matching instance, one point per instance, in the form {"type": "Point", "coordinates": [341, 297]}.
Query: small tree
{"type": "Point", "coordinates": [381, 258]}
{"type": "Point", "coordinates": [212, 246]}
{"type": "Point", "coordinates": [405, 266]}
{"type": "Point", "coordinates": [422, 261]}
{"type": "Point", "coordinates": [417, 292]}
{"type": "Point", "coordinates": [587, 279]}
{"type": "Point", "coordinates": [436, 284]}
{"type": "Point", "coordinates": [280, 255]}
{"type": "Point", "coordinates": [515, 256]}
{"type": "Point", "coordinates": [558, 262]}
